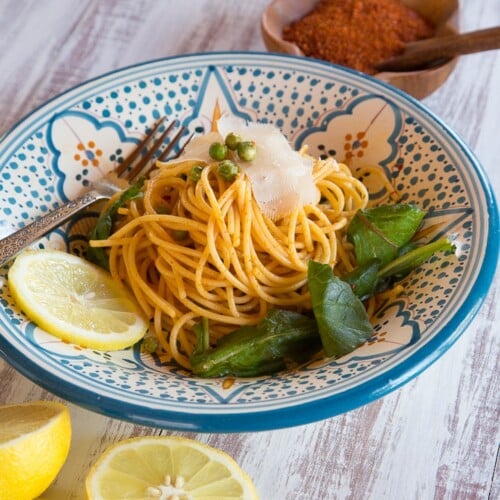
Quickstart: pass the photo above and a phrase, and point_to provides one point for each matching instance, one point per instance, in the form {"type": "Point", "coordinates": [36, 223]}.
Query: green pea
{"type": "Point", "coordinates": [195, 173]}
{"type": "Point", "coordinates": [179, 234]}
{"type": "Point", "coordinates": [232, 140]}
{"type": "Point", "coordinates": [162, 210]}
{"type": "Point", "coordinates": [228, 170]}
{"type": "Point", "coordinates": [150, 344]}
{"type": "Point", "coordinates": [247, 150]}
{"type": "Point", "coordinates": [217, 151]}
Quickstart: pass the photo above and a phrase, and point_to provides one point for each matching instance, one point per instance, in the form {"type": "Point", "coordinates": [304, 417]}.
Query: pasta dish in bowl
{"type": "Point", "coordinates": [229, 240]}
{"type": "Point", "coordinates": [223, 248]}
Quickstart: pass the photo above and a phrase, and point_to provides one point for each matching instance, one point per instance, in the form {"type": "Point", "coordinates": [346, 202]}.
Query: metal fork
{"type": "Point", "coordinates": [137, 164]}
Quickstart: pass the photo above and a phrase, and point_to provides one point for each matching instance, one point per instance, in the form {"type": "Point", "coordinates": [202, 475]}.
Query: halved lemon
{"type": "Point", "coordinates": [167, 467]}
{"type": "Point", "coordinates": [75, 300]}
{"type": "Point", "coordinates": [34, 443]}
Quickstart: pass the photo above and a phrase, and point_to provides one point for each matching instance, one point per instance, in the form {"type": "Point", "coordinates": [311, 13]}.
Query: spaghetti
{"type": "Point", "coordinates": [204, 249]}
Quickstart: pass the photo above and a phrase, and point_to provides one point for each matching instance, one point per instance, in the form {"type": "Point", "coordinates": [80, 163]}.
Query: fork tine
{"type": "Point", "coordinates": [167, 150]}
{"type": "Point", "coordinates": [172, 143]}
{"type": "Point", "coordinates": [142, 169]}
{"type": "Point", "coordinates": [138, 169]}
{"type": "Point", "coordinates": [181, 150]}
{"type": "Point", "coordinates": [144, 165]}
{"type": "Point", "coordinates": [138, 150]}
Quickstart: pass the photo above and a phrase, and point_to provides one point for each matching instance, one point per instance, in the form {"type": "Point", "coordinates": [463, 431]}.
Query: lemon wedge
{"type": "Point", "coordinates": [167, 467]}
{"type": "Point", "coordinates": [34, 444]}
{"type": "Point", "coordinates": [75, 300]}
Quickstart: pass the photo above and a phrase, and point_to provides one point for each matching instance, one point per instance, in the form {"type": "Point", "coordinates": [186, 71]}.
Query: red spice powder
{"type": "Point", "coordinates": [357, 33]}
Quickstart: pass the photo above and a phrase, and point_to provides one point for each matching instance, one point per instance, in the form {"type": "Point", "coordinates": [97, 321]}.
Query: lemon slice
{"type": "Point", "coordinates": [34, 444]}
{"type": "Point", "coordinates": [167, 467]}
{"type": "Point", "coordinates": [75, 300]}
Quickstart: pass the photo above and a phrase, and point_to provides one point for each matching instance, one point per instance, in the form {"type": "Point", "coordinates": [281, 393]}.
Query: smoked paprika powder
{"type": "Point", "coordinates": [357, 33]}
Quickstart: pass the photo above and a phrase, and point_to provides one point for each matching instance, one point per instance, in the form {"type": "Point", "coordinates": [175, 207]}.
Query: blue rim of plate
{"type": "Point", "coordinates": [307, 412]}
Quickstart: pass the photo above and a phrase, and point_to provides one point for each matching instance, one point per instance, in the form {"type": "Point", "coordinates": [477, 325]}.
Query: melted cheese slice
{"type": "Point", "coordinates": [282, 180]}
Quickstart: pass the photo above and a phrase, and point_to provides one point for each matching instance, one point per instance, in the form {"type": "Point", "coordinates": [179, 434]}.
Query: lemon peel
{"type": "Point", "coordinates": [35, 438]}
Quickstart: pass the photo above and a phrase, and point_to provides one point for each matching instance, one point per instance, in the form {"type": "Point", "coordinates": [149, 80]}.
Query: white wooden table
{"type": "Point", "coordinates": [438, 436]}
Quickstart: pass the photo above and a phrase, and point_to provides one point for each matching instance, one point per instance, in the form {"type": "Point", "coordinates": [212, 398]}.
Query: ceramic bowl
{"type": "Point", "coordinates": [42, 164]}
{"type": "Point", "coordinates": [420, 84]}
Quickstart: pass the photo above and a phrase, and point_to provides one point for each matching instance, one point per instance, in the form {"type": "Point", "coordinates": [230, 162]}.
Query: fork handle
{"type": "Point", "coordinates": [19, 240]}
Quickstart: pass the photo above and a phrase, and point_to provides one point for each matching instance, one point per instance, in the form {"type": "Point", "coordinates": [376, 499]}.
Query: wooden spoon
{"type": "Point", "coordinates": [434, 51]}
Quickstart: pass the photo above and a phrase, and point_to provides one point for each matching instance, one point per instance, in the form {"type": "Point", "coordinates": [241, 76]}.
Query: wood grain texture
{"type": "Point", "coordinates": [436, 437]}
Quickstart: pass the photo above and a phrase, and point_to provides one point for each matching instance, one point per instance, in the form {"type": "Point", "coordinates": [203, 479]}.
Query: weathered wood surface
{"type": "Point", "coordinates": [435, 438]}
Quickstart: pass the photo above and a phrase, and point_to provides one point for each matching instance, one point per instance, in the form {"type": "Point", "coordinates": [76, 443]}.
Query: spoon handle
{"type": "Point", "coordinates": [431, 51]}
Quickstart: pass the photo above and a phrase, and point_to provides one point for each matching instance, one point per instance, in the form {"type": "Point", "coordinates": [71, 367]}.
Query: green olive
{"type": "Point", "coordinates": [217, 151]}
{"type": "Point", "coordinates": [228, 170]}
{"type": "Point", "coordinates": [247, 150]}
{"type": "Point", "coordinates": [232, 141]}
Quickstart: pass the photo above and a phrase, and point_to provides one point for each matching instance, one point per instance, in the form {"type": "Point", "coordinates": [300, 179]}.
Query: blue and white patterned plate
{"type": "Point", "coordinates": [78, 136]}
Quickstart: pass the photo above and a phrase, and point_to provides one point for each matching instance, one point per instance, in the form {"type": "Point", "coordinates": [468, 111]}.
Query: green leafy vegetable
{"type": "Point", "coordinates": [343, 323]}
{"type": "Point", "coordinates": [282, 339]}
{"type": "Point", "coordinates": [380, 232]}
{"type": "Point", "coordinates": [364, 279]}
{"type": "Point", "coordinates": [104, 224]}
{"type": "Point", "coordinates": [409, 260]}
{"type": "Point", "coordinates": [370, 279]}
{"type": "Point", "coordinates": [384, 249]}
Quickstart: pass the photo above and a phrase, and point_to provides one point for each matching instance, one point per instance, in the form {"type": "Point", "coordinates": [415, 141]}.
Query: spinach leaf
{"type": "Point", "coordinates": [364, 280]}
{"type": "Point", "coordinates": [379, 232]}
{"type": "Point", "coordinates": [104, 225]}
{"type": "Point", "coordinates": [384, 249]}
{"type": "Point", "coordinates": [343, 323]}
{"type": "Point", "coordinates": [411, 259]}
{"type": "Point", "coordinates": [281, 340]}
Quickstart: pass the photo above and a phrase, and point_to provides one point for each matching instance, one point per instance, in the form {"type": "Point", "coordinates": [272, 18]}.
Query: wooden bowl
{"type": "Point", "coordinates": [443, 13]}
